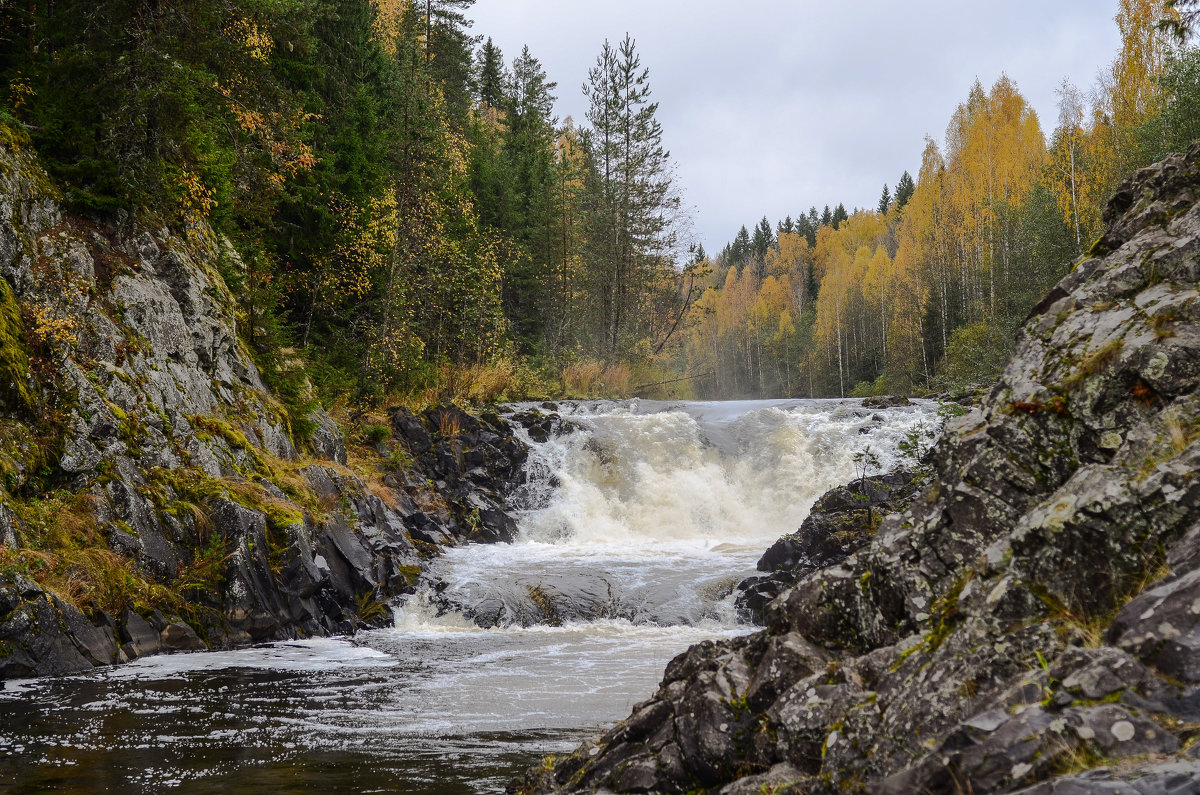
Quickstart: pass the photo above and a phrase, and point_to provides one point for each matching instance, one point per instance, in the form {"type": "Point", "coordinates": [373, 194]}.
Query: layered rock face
{"type": "Point", "coordinates": [125, 385]}
{"type": "Point", "coordinates": [1031, 622]}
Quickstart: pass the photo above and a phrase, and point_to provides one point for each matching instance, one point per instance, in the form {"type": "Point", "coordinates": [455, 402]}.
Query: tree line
{"type": "Point", "coordinates": [405, 204]}
{"type": "Point", "coordinates": [401, 196]}
{"type": "Point", "coordinates": [925, 292]}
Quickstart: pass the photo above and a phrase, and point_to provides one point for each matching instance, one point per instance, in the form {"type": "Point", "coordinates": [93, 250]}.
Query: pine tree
{"type": "Point", "coordinates": [636, 204]}
{"type": "Point", "coordinates": [885, 200]}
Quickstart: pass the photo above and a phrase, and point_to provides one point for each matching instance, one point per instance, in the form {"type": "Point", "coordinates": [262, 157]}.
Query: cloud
{"type": "Point", "coordinates": [770, 107]}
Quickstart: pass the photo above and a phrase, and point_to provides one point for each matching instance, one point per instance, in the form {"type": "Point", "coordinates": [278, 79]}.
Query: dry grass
{"type": "Point", "coordinates": [1094, 363]}
{"type": "Point", "coordinates": [590, 378]}
{"type": "Point", "coordinates": [580, 378]}
{"type": "Point", "coordinates": [1180, 433]}
{"type": "Point", "coordinates": [484, 383]}
{"type": "Point", "coordinates": [1090, 628]}
{"type": "Point", "coordinates": [66, 554]}
{"type": "Point", "coordinates": [449, 424]}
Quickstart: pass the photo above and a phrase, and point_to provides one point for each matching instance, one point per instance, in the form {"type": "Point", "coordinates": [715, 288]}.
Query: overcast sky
{"type": "Point", "coordinates": [770, 107]}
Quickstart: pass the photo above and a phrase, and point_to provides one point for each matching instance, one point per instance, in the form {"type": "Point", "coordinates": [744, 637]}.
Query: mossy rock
{"type": "Point", "coordinates": [15, 394]}
{"type": "Point", "coordinates": [21, 455]}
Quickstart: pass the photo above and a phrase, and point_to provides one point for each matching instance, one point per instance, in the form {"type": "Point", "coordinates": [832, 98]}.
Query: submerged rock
{"type": "Point", "coordinates": [1028, 622]}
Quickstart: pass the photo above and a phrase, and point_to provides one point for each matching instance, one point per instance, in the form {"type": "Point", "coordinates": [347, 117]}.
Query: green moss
{"type": "Point", "coordinates": [14, 356]}
{"type": "Point", "coordinates": [410, 574]}
{"type": "Point", "coordinates": [232, 436]}
{"type": "Point", "coordinates": [279, 516]}
{"type": "Point", "coordinates": [1111, 698]}
{"type": "Point", "coordinates": [12, 136]}
{"type": "Point", "coordinates": [544, 603]}
{"type": "Point", "coordinates": [22, 456]}
{"type": "Point", "coordinates": [371, 609]}
{"type": "Point", "coordinates": [944, 613]}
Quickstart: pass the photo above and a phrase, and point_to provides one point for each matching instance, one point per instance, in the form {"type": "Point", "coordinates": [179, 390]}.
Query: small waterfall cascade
{"type": "Point", "coordinates": [650, 512]}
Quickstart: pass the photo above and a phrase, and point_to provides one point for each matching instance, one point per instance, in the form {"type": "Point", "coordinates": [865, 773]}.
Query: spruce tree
{"type": "Point", "coordinates": [447, 49]}
{"type": "Point", "coordinates": [741, 249]}
{"type": "Point", "coordinates": [904, 190]}
{"type": "Point", "coordinates": [490, 79]}
{"type": "Point", "coordinates": [839, 215]}
{"type": "Point", "coordinates": [529, 150]}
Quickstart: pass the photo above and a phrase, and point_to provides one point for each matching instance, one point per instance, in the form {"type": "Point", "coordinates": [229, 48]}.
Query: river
{"type": "Point", "coordinates": [635, 525]}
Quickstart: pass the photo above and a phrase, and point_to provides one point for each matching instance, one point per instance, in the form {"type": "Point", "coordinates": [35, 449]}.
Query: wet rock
{"type": "Point", "coordinates": [840, 522]}
{"type": "Point", "coordinates": [886, 402]}
{"type": "Point", "coordinates": [138, 638]}
{"type": "Point", "coordinates": [178, 636]}
{"type": "Point", "coordinates": [543, 426]}
{"type": "Point", "coordinates": [36, 633]}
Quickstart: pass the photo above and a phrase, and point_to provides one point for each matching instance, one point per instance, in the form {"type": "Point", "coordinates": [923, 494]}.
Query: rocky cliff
{"type": "Point", "coordinates": [1031, 622]}
{"type": "Point", "coordinates": [154, 495]}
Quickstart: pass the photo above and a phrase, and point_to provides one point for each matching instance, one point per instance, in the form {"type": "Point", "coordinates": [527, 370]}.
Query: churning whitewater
{"type": "Point", "coordinates": [636, 521]}
{"type": "Point", "coordinates": [652, 512]}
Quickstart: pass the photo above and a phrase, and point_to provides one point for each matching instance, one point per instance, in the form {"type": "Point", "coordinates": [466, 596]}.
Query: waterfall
{"type": "Point", "coordinates": [651, 512]}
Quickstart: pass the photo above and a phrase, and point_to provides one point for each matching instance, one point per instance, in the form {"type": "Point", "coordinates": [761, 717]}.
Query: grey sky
{"type": "Point", "coordinates": [770, 107]}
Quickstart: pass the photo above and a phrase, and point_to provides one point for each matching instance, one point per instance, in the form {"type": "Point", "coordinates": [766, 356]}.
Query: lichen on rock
{"type": "Point", "coordinates": [1029, 622]}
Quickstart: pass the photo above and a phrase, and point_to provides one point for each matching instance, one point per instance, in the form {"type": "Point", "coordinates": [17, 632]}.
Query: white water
{"type": "Point", "coordinates": [652, 512]}
{"type": "Point", "coordinates": [635, 529]}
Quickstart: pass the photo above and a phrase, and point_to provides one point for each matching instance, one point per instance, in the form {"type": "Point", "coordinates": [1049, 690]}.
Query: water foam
{"type": "Point", "coordinates": [651, 512]}
{"type": "Point", "coordinates": [710, 472]}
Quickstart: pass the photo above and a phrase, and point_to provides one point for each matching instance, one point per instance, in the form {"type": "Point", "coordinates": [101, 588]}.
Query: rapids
{"type": "Point", "coordinates": [635, 525]}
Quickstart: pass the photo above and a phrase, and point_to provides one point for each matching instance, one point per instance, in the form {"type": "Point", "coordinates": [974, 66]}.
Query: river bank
{"type": "Point", "coordinates": [156, 494]}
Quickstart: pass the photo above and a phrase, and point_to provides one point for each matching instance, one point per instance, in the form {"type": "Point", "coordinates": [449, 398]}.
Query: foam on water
{"type": "Point", "coordinates": [651, 511]}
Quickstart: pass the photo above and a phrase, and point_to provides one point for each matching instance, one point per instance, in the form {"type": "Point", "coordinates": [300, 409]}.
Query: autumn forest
{"type": "Point", "coordinates": [410, 217]}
